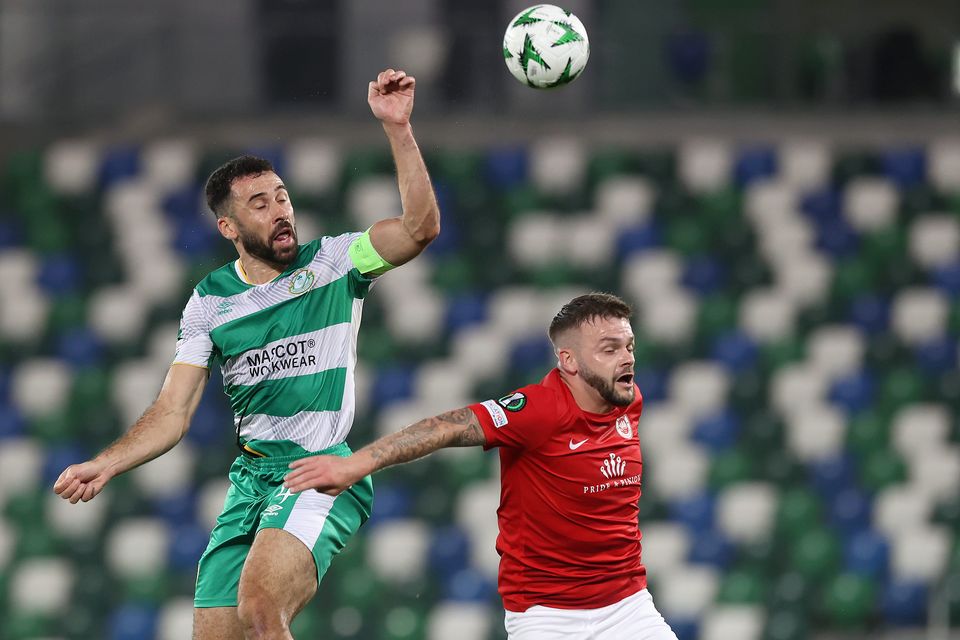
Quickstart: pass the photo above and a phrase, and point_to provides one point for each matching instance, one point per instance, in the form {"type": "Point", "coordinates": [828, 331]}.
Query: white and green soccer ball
{"type": "Point", "coordinates": [545, 46]}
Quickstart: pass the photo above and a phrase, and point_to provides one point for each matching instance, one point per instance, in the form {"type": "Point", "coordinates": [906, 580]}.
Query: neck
{"type": "Point", "coordinates": [257, 271]}
{"type": "Point", "coordinates": [584, 395]}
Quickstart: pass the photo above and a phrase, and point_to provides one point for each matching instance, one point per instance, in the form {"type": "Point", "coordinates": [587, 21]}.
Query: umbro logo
{"type": "Point", "coordinates": [272, 510]}
{"type": "Point", "coordinates": [613, 466]}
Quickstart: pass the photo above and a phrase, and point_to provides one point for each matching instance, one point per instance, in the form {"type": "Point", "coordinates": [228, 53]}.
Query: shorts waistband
{"type": "Point", "coordinates": [270, 462]}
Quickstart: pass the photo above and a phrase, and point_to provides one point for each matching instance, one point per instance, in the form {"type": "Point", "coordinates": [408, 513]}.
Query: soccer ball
{"type": "Point", "coordinates": [545, 46]}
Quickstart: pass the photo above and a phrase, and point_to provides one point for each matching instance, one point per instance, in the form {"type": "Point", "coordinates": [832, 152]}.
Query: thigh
{"type": "Point", "coordinates": [633, 618]}
{"type": "Point", "coordinates": [216, 623]}
{"type": "Point", "coordinates": [544, 623]}
{"type": "Point", "coordinates": [279, 570]}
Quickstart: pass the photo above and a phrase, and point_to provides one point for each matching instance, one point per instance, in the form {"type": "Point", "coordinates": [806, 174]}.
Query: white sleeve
{"type": "Point", "coordinates": [194, 345]}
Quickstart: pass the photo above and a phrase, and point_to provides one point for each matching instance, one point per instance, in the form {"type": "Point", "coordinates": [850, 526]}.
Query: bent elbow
{"type": "Point", "coordinates": [425, 233]}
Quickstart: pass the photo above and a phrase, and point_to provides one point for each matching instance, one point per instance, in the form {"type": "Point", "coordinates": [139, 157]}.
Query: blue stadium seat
{"type": "Point", "coordinates": [506, 168]}
{"type": "Point", "coordinates": [638, 238]}
{"type": "Point", "coordinates": [870, 313]}
{"type": "Point", "coordinates": [849, 511]}
{"type": "Point", "coordinates": [906, 166]}
{"type": "Point", "coordinates": [60, 274]}
{"type": "Point", "coordinates": [80, 347]}
{"type": "Point", "coordinates": [394, 500]}
{"type": "Point", "coordinates": [652, 383]}
{"type": "Point", "coordinates": [735, 350]}
{"type": "Point", "coordinates": [718, 431]}
{"type": "Point", "coordinates": [183, 204]}
{"type": "Point", "coordinates": [449, 241]}
{"type": "Point", "coordinates": [187, 544]}
{"type": "Point", "coordinates": [832, 475]}
{"type": "Point", "coordinates": [469, 585]}
{"type": "Point", "coordinates": [947, 278]}
{"type": "Point", "coordinates": [754, 163]}
{"type": "Point", "coordinates": [904, 603]}
{"type": "Point", "coordinates": [177, 509]}
{"type": "Point", "coordinates": [196, 238]}
{"type": "Point", "coordinates": [837, 238]}
{"type": "Point", "coordinates": [710, 547]}
{"type": "Point", "coordinates": [937, 356]}
{"type": "Point", "coordinates": [696, 512]}
{"type": "Point", "coordinates": [703, 274]}
{"type": "Point", "coordinates": [449, 551]}
{"type": "Point", "coordinates": [213, 418]}
{"type": "Point", "coordinates": [275, 154]}
{"type": "Point", "coordinates": [392, 384]}
{"type": "Point", "coordinates": [11, 422]}
{"type": "Point", "coordinates": [866, 553]}
{"type": "Point", "coordinates": [685, 628]}
{"type": "Point", "coordinates": [59, 457]}
{"type": "Point", "coordinates": [11, 233]}
{"type": "Point", "coordinates": [133, 622]}
{"type": "Point", "coordinates": [853, 393]}
{"type": "Point", "coordinates": [531, 353]}
{"type": "Point", "coordinates": [822, 205]}
{"type": "Point", "coordinates": [119, 163]}
{"type": "Point", "coordinates": [465, 309]}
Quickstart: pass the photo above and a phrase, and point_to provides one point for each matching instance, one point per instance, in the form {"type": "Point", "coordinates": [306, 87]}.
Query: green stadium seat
{"type": "Point", "coordinates": [881, 468]}
{"type": "Point", "coordinates": [742, 587]}
{"type": "Point", "coordinates": [403, 623]}
{"type": "Point", "coordinates": [816, 553]}
{"type": "Point", "coordinates": [848, 601]}
{"type": "Point", "coordinates": [792, 591]}
{"type": "Point", "coordinates": [799, 512]}
{"type": "Point", "coordinates": [730, 467]}
{"type": "Point", "coordinates": [786, 625]}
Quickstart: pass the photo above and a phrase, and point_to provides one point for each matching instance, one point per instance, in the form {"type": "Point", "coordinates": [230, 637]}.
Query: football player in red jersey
{"type": "Point", "coordinates": [570, 461]}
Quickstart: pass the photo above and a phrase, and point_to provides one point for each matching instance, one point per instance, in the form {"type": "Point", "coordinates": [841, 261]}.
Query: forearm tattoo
{"type": "Point", "coordinates": [457, 428]}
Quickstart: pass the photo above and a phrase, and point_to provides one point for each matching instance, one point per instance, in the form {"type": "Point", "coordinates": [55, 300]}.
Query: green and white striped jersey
{"type": "Point", "coordinates": [287, 348]}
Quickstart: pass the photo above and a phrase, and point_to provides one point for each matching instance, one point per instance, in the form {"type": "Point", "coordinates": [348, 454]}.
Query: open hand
{"type": "Point", "coordinates": [82, 481]}
{"type": "Point", "coordinates": [390, 96]}
{"type": "Point", "coordinates": [327, 474]}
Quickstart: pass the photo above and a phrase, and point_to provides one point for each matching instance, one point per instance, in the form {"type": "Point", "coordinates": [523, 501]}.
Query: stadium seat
{"type": "Point", "coordinates": [467, 621]}
{"type": "Point", "coordinates": [870, 204]}
{"type": "Point", "coordinates": [920, 553]}
{"type": "Point", "coordinates": [734, 621]}
{"type": "Point", "coordinates": [745, 512]}
{"type": "Point", "coordinates": [704, 165]}
{"type": "Point", "coordinates": [686, 591]}
{"type": "Point", "coordinates": [625, 201]}
{"type": "Point", "coordinates": [41, 586]}
{"type": "Point", "coordinates": [848, 601]}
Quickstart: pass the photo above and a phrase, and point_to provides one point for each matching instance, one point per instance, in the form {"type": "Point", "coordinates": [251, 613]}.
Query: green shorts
{"type": "Point", "coordinates": [257, 500]}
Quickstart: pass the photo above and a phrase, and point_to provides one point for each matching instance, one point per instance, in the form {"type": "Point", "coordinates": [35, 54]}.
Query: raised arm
{"type": "Point", "coordinates": [333, 474]}
{"type": "Point", "coordinates": [160, 427]}
{"type": "Point", "coordinates": [399, 240]}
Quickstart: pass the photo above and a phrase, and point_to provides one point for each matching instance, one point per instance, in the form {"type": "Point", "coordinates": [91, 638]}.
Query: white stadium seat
{"type": "Point", "coordinates": [805, 163]}
{"type": "Point", "coordinates": [649, 274]}
{"type": "Point", "coordinates": [901, 508]}
{"type": "Point", "coordinates": [805, 278]}
{"type": "Point", "coordinates": [517, 311]}
{"type": "Point", "coordinates": [767, 203]}
{"type": "Point", "coordinates": [557, 165]}
{"type": "Point", "coordinates": [23, 313]}
{"type": "Point", "coordinates": [136, 384]}
{"type": "Point", "coordinates": [444, 382]}
{"type": "Point", "coordinates": [705, 165]}
{"type": "Point", "coordinates": [919, 314]}
{"type": "Point", "coordinates": [372, 199]}
{"type": "Point", "coordinates": [480, 348]}
{"type": "Point", "coordinates": [919, 428]}
{"type": "Point", "coordinates": [418, 317]}
{"type": "Point", "coordinates": [169, 164]}
{"type": "Point", "coordinates": [396, 549]}
{"type": "Point", "coordinates": [745, 511]}
{"type": "Point", "coordinates": [920, 554]}
{"type": "Point", "coordinates": [460, 620]}
{"type": "Point", "coordinates": [8, 542]}
{"type": "Point", "coordinates": [588, 241]}
{"type": "Point", "coordinates": [42, 386]}
{"type": "Point", "coordinates": [700, 387]}
{"type": "Point", "coordinates": [934, 240]}
{"type": "Point", "coordinates": [870, 204]}
{"type": "Point", "coordinates": [679, 471]}
{"type": "Point", "coordinates": [786, 239]}
{"type": "Point", "coordinates": [815, 432]}
{"type": "Point", "coordinates": [665, 547]}
{"type": "Point", "coordinates": [175, 621]}
{"type": "Point", "coordinates": [671, 317]}
{"type": "Point", "coordinates": [795, 387]}
{"type": "Point", "coordinates": [664, 425]}
{"type": "Point", "coordinates": [625, 200]}
{"type": "Point", "coordinates": [743, 622]}
{"type": "Point", "coordinates": [81, 520]}
{"type": "Point", "coordinates": [936, 472]}
{"type": "Point", "coordinates": [21, 461]}
{"type": "Point", "coordinates": [210, 501]}
{"type": "Point", "coordinates": [118, 313]}
{"type": "Point", "coordinates": [169, 474]}
{"type": "Point", "coordinates": [686, 591]}
{"type": "Point", "coordinates": [18, 269]}
{"type": "Point", "coordinates": [943, 165]}
{"type": "Point", "coordinates": [313, 165]}
{"type": "Point", "coordinates": [835, 350]}
{"type": "Point", "coordinates": [535, 239]}
{"type": "Point", "coordinates": [767, 315]}
{"type": "Point", "coordinates": [137, 547]}
{"type": "Point", "coordinates": [71, 167]}
{"type": "Point", "coordinates": [42, 586]}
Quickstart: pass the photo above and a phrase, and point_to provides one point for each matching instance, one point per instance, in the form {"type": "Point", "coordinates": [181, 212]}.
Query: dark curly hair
{"type": "Point", "coordinates": [218, 185]}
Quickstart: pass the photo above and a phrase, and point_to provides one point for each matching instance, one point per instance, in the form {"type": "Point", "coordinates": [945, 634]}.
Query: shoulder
{"type": "Point", "coordinates": [222, 282]}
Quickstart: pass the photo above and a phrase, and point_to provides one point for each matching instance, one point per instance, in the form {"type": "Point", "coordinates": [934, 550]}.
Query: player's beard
{"type": "Point", "coordinates": [257, 248]}
{"type": "Point", "coordinates": [607, 388]}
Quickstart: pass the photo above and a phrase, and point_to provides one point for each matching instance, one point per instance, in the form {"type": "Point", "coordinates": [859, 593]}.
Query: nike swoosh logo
{"type": "Point", "coordinates": [577, 445]}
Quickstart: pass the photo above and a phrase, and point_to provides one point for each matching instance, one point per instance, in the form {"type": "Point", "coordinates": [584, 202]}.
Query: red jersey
{"type": "Point", "coordinates": [570, 483]}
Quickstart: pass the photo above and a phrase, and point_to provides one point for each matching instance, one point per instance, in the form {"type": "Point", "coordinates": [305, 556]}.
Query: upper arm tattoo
{"type": "Point", "coordinates": [471, 433]}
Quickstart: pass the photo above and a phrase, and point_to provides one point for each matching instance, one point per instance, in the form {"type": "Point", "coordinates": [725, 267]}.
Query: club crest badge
{"type": "Point", "coordinates": [624, 428]}
{"type": "Point", "coordinates": [301, 281]}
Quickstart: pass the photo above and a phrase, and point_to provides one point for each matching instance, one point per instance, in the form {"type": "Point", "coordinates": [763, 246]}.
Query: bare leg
{"type": "Point", "coordinates": [216, 623]}
{"type": "Point", "coordinates": [278, 579]}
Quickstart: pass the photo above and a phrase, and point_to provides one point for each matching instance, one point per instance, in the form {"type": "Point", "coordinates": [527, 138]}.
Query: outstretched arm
{"type": "Point", "coordinates": [399, 240]}
{"type": "Point", "coordinates": [160, 427]}
{"type": "Point", "coordinates": [333, 474]}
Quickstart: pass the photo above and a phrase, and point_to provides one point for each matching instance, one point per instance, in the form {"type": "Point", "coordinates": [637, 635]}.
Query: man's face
{"type": "Point", "coordinates": [603, 348]}
{"type": "Point", "coordinates": [262, 218]}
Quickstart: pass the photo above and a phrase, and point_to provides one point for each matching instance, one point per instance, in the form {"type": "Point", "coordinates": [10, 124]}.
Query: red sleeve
{"type": "Point", "coordinates": [522, 419]}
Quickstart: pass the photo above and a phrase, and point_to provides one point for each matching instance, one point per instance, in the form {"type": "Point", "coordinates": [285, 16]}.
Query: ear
{"type": "Point", "coordinates": [567, 362]}
{"type": "Point", "coordinates": [227, 228]}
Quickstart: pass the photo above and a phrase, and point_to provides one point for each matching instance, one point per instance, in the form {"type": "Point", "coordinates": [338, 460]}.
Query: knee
{"type": "Point", "coordinates": [260, 617]}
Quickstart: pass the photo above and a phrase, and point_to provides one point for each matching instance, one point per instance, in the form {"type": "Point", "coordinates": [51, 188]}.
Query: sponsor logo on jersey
{"type": "Point", "coordinates": [624, 428]}
{"type": "Point", "coordinates": [496, 413]}
{"type": "Point", "coordinates": [301, 281]}
{"type": "Point", "coordinates": [293, 354]}
{"type": "Point", "coordinates": [613, 466]}
{"type": "Point", "coordinates": [513, 402]}
{"type": "Point", "coordinates": [272, 510]}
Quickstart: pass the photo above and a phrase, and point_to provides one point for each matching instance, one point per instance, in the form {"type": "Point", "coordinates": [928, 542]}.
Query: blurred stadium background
{"type": "Point", "coordinates": [775, 184]}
